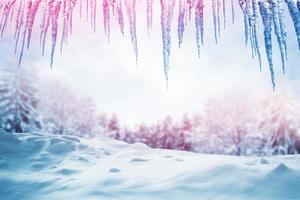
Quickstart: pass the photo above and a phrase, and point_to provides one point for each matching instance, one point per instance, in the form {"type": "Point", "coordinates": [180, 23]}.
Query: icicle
{"type": "Point", "coordinates": [65, 24]}
{"type": "Point", "coordinates": [190, 5]}
{"type": "Point", "coordinates": [5, 16]}
{"type": "Point", "coordinates": [19, 23]}
{"type": "Point", "coordinates": [149, 15]}
{"type": "Point", "coordinates": [282, 26]}
{"type": "Point", "coordinates": [218, 17]}
{"type": "Point", "coordinates": [31, 18]}
{"type": "Point", "coordinates": [112, 3]}
{"type": "Point", "coordinates": [80, 8]}
{"type": "Point", "coordinates": [130, 8]}
{"type": "Point", "coordinates": [251, 18]}
{"type": "Point", "coordinates": [93, 8]}
{"type": "Point", "coordinates": [266, 14]}
{"type": "Point", "coordinates": [106, 18]}
{"type": "Point", "coordinates": [181, 18]}
{"type": "Point", "coordinates": [87, 9]}
{"type": "Point", "coordinates": [94, 14]}
{"type": "Point", "coordinates": [232, 11]}
{"type": "Point", "coordinates": [257, 48]}
{"type": "Point", "coordinates": [243, 6]}
{"type": "Point", "coordinates": [28, 7]}
{"type": "Point", "coordinates": [252, 44]}
{"type": "Point", "coordinates": [295, 15]}
{"type": "Point", "coordinates": [224, 13]}
{"type": "Point", "coordinates": [46, 24]}
{"type": "Point", "coordinates": [277, 21]}
{"type": "Point", "coordinates": [120, 16]}
{"type": "Point", "coordinates": [54, 18]}
{"type": "Point", "coordinates": [12, 13]}
{"type": "Point", "coordinates": [199, 23]}
{"type": "Point", "coordinates": [24, 13]}
{"type": "Point", "coordinates": [43, 20]}
{"type": "Point", "coordinates": [254, 28]}
{"type": "Point", "coordinates": [214, 10]}
{"type": "Point", "coordinates": [167, 8]}
{"type": "Point", "coordinates": [71, 8]}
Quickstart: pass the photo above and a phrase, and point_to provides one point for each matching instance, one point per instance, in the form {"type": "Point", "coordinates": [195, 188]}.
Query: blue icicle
{"type": "Point", "coordinates": [266, 15]}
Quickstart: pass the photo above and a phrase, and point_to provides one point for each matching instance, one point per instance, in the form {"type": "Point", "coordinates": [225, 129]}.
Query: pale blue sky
{"type": "Point", "coordinates": [108, 72]}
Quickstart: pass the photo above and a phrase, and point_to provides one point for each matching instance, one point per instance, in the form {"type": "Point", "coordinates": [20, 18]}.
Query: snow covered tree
{"type": "Point", "coordinates": [156, 137]}
{"type": "Point", "coordinates": [230, 123]}
{"type": "Point", "coordinates": [113, 127]}
{"type": "Point", "coordinates": [280, 124]}
{"type": "Point", "coordinates": [65, 112]}
{"type": "Point", "coordinates": [87, 125]}
{"type": "Point", "coordinates": [18, 99]}
{"type": "Point", "coordinates": [109, 126]}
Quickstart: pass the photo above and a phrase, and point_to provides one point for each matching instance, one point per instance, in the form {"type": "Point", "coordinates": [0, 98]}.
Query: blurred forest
{"type": "Point", "coordinates": [232, 125]}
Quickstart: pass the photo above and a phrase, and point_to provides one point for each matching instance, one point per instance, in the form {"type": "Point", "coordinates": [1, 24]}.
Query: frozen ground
{"type": "Point", "coordinates": [44, 167]}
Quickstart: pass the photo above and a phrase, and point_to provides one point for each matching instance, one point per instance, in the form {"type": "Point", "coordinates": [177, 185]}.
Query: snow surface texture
{"type": "Point", "coordinates": [66, 167]}
{"type": "Point", "coordinates": [58, 14]}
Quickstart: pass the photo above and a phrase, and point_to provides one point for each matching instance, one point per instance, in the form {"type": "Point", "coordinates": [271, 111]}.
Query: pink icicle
{"type": "Point", "coordinates": [32, 13]}
{"type": "Point", "coordinates": [167, 8]}
{"type": "Point", "coordinates": [149, 15]}
{"type": "Point", "coordinates": [130, 8]}
{"type": "Point", "coordinates": [46, 24]}
{"type": "Point", "coordinates": [19, 23]}
{"type": "Point", "coordinates": [190, 5]}
{"type": "Point", "coordinates": [120, 16]}
{"type": "Point", "coordinates": [181, 18]}
{"type": "Point", "coordinates": [28, 8]}
{"type": "Point", "coordinates": [7, 9]}
{"type": "Point", "coordinates": [106, 18]}
{"type": "Point", "coordinates": [199, 23]}
{"type": "Point", "coordinates": [54, 19]}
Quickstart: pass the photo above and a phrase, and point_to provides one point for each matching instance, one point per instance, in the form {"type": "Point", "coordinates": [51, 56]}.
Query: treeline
{"type": "Point", "coordinates": [30, 104]}
{"type": "Point", "coordinates": [235, 124]}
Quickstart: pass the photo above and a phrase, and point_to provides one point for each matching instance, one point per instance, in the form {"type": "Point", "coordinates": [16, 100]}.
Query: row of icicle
{"type": "Point", "coordinates": [23, 14]}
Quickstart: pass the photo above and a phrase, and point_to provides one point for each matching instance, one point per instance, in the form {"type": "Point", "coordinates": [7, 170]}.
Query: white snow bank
{"type": "Point", "coordinates": [46, 167]}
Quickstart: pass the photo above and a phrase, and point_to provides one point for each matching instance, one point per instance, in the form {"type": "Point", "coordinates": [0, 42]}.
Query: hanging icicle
{"type": "Point", "coordinates": [130, 8]}
{"type": "Point", "coordinates": [54, 19]}
{"type": "Point", "coordinates": [167, 8]}
{"type": "Point", "coordinates": [56, 16]}
{"type": "Point", "coordinates": [149, 15]}
{"type": "Point", "coordinates": [279, 30]}
{"type": "Point", "coordinates": [106, 18]}
{"type": "Point", "coordinates": [199, 24]}
{"type": "Point", "coordinates": [181, 21]}
{"type": "Point", "coordinates": [120, 16]}
{"type": "Point", "coordinates": [232, 11]}
{"type": "Point", "coordinates": [266, 14]}
{"type": "Point", "coordinates": [224, 13]}
{"type": "Point", "coordinates": [294, 10]}
{"type": "Point", "coordinates": [215, 19]}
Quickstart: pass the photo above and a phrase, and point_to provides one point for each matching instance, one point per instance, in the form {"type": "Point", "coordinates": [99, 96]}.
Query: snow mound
{"type": "Point", "coordinates": [50, 167]}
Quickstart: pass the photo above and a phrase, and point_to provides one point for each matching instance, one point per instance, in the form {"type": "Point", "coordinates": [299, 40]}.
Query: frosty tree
{"type": "Point", "coordinates": [64, 112]}
{"type": "Point", "coordinates": [230, 123]}
{"type": "Point", "coordinates": [18, 100]}
{"type": "Point", "coordinates": [55, 17]}
{"type": "Point", "coordinates": [280, 124]}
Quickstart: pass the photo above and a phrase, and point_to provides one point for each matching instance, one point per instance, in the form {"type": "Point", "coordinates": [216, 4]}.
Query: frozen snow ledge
{"type": "Point", "coordinates": [65, 167]}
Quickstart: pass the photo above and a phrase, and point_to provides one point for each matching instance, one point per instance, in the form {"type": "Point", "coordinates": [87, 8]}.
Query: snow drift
{"type": "Point", "coordinates": [49, 167]}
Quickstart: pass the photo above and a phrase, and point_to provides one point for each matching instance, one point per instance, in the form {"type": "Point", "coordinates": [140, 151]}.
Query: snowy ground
{"type": "Point", "coordinates": [40, 167]}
